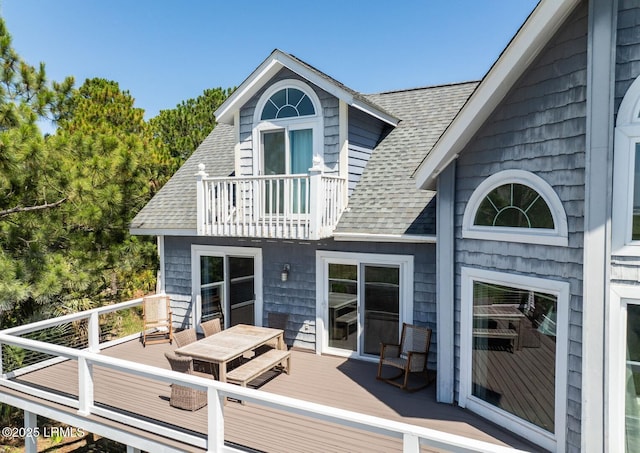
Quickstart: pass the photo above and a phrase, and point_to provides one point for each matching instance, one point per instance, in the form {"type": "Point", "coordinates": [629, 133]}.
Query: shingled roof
{"type": "Point", "coordinates": [386, 201]}
{"type": "Point", "coordinates": [173, 208]}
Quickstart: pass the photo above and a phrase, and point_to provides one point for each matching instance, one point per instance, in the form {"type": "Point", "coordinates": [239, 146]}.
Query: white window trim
{"type": "Point", "coordinates": [198, 250]}
{"type": "Point", "coordinates": [626, 136]}
{"type": "Point", "coordinates": [550, 441]}
{"type": "Point", "coordinates": [621, 297]}
{"type": "Point", "coordinates": [324, 257]}
{"type": "Point", "coordinates": [558, 236]}
{"type": "Point", "coordinates": [314, 122]}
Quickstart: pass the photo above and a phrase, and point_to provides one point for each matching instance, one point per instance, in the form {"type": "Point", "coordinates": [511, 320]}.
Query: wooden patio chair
{"type": "Point", "coordinates": [184, 397]}
{"type": "Point", "coordinates": [211, 327]}
{"type": "Point", "coordinates": [410, 356]}
{"type": "Point", "coordinates": [157, 322]}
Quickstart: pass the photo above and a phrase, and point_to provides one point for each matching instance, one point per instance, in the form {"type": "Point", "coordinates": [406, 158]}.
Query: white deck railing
{"type": "Point", "coordinates": [281, 206]}
{"type": "Point", "coordinates": [413, 437]}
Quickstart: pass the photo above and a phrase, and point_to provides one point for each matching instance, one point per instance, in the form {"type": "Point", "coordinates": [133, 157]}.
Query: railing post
{"type": "Point", "coordinates": [316, 200]}
{"type": "Point", "coordinates": [85, 386]}
{"type": "Point", "coordinates": [410, 443]}
{"type": "Point", "coordinates": [215, 420]}
{"type": "Point", "coordinates": [30, 432]}
{"type": "Point", "coordinates": [200, 207]}
{"type": "Point", "coordinates": [93, 332]}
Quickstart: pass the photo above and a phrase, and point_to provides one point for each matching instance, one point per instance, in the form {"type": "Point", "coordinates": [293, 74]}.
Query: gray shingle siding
{"type": "Point", "coordinates": [329, 109]}
{"type": "Point", "coordinates": [364, 134]}
{"type": "Point", "coordinates": [298, 295]}
{"type": "Point", "coordinates": [539, 127]}
{"type": "Point", "coordinates": [626, 270]}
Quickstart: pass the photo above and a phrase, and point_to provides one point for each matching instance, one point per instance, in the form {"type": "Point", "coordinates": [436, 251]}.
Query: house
{"type": "Point", "coordinates": [502, 214]}
{"type": "Point", "coordinates": [301, 201]}
{"type": "Point", "coordinates": [532, 247]}
{"type": "Point", "coordinates": [538, 179]}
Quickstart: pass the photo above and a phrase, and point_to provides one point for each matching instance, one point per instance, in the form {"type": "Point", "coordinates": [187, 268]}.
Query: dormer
{"type": "Point", "coordinates": [302, 140]}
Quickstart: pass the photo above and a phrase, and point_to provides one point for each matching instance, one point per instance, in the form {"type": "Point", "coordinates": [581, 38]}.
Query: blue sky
{"type": "Point", "coordinates": [164, 52]}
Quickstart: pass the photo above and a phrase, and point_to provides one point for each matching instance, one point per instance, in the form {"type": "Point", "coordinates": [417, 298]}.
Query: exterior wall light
{"type": "Point", "coordinates": [284, 276]}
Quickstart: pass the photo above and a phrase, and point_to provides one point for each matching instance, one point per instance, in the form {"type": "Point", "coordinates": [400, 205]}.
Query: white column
{"type": "Point", "coordinates": [200, 206]}
{"type": "Point", "coordinates": [445, 274]}
{"type": "Point", "coordinates": [30, 439]}
{"type": "Point", "coordinates": [131, 449]}
{"type": "Point", "coordinates": [601, 53]}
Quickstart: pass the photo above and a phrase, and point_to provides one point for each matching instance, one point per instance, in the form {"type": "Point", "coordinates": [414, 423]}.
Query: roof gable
{"type": "Point", "coordinates": [274, 63]}
{"type": "Point", "coordinates": [526, 45]}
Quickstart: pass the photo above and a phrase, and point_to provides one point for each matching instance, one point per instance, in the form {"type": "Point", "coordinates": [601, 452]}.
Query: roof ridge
{"type": "Point", "coordinates": [443, 85]}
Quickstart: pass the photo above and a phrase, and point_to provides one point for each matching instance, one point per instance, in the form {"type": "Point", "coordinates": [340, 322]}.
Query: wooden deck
{"type": "Point", "coordinates": [333, 381]}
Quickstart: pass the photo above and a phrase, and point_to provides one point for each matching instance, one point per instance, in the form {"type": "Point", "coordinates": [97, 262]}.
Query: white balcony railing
{"type": "Point", "coordinates": [87, 357]}
{"type": "Point", "coordinates": [281, 206]}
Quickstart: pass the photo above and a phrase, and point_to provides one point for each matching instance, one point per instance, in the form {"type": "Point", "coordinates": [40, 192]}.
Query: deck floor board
{"type": "Point", "coordinates": [329, 380]}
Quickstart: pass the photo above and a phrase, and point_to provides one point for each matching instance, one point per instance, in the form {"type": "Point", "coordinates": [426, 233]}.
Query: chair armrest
{"type": "Point", "coordinates": [417, 359]}
{"type": "Point", "coordinates": [389, 350]}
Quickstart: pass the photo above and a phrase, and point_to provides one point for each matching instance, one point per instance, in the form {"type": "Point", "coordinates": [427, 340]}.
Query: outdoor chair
{"type": "Point", "coordinates": [185, 337]}
{"type": "Point", "coordinates": [211, 327]}
{"type": "Point", "coordinates": [275, 321]}
{"type": "Point", "coordinates": [279, 321]}
{"type": "Point", "coordinates": [410, 356]}
{"type": "Point", "coordinates": [157, 323]}
{"type": "Point", "coordinates": [184, 397]}
{"type": "Point", "coordinates": [188, 336]}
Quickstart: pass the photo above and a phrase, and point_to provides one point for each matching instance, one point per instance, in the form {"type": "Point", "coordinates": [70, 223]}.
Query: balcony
{"type": "Point", "coordinates": [70, 369]}
{"type": "Point", "coordinates": [305, 207]}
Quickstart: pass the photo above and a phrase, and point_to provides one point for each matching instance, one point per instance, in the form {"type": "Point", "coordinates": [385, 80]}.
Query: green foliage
{"type": "Point", "coordinates": [183, 128]}
{"type": "Point", "coordinates": [66, 200]}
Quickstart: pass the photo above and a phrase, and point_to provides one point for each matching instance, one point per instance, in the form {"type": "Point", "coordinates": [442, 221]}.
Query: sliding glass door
{"type": "Point", "coordinates": [227, 285]}
{"type": "Point", "coordinates": [241, 290]}
{"type": "Point", "coordinates": [381, 305]}
{"type": "Point", "coordinates": [362, 301]}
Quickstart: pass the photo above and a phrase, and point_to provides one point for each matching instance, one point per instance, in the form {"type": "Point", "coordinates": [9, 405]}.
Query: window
{"type": "Point", "coordinates": [287, 103]}
{"type": "Point", "coordinates": [623, 410]}
{"type": "Point", "coordinates": [288, 132]}
{"type": "Point", "coordinates": [362, 300]}
{"type": "Point", "coordinates": [513, 349]}
{"type": "Point", "coordinates": [515, 206]}
{"type": "Point", "coordinates": [626, 175]}
{"type": "Point", "coordinates": [226, 284]}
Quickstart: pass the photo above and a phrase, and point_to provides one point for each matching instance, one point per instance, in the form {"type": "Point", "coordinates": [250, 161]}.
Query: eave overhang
{"type": "Point", "coordinates": [270, 67]}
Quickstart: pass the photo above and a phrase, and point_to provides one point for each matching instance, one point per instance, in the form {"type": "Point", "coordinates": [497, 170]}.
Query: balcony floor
{"type": "Point", "coordinates": [333, 381]}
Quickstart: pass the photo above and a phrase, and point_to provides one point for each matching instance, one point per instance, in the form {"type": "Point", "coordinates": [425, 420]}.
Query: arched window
{"type": "Point", "coordinates": [516, 206]}
{"type": "Point", "coordinates": [626, 175]}
{"type": "Point", "coordinates": [287, 103]}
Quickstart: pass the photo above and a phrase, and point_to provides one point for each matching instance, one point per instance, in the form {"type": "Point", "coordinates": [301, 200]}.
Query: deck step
{"type": "Point", "coordinates": [258, 365]}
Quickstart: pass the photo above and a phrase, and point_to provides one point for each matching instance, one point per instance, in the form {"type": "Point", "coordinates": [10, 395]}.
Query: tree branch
{"type": "Point", "coordinates": [7, 212]}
